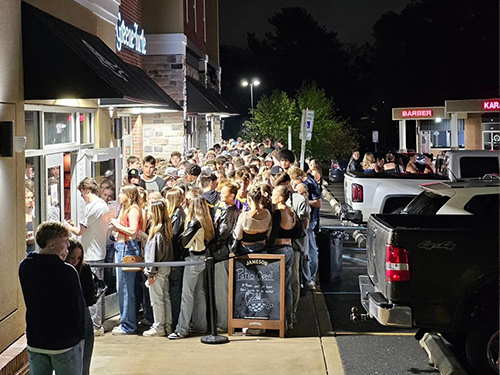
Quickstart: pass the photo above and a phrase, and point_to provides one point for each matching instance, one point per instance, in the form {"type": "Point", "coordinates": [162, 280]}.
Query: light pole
{"type": "Point", "coordinates": [255, 82]}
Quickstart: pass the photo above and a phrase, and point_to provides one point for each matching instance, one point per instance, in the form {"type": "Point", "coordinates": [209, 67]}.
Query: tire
{"type": "Point", "coordinates": [482, 346]}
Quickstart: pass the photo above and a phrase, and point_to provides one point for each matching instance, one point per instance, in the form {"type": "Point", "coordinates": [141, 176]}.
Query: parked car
{"type": "Point", "coordinates": [459, 164]}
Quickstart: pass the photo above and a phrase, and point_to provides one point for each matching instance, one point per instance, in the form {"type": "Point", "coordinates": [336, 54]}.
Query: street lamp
{"type": "Point", "coordinates": [255, 82]}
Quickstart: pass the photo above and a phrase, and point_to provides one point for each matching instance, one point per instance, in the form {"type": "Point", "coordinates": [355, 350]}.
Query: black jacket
{"type": "Point", "coordinates": [55, 308]}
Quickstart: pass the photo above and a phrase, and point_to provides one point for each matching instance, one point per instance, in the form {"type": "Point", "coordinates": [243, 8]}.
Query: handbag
{"type": "Point", "coordinates": [100, 287]}
{"type": "Point", "coordinates": [132, 259]}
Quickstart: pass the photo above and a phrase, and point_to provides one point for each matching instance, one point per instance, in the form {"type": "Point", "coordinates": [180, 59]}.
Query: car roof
{"type": "Point", "coordinates": [449, 188]}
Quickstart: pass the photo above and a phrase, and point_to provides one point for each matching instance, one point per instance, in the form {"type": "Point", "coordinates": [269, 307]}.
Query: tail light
{"type": "Point", "coordinates": [397, 267]}
{"type": "Point", "coordinates": [357, 192]}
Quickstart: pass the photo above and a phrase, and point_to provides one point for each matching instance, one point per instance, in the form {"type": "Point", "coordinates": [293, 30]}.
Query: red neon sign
{"type": "Point", "coordinates": [417, 113]}
{"type": "Point", "coordinates": [491, 105]}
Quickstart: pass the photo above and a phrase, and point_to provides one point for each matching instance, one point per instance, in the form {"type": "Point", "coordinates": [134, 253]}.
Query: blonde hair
{"type": "Point", "coordinates": [174, 198]}
{"type": "Point", "coordinates": [132, 194]}
{"type": "Point", "coordinates": [368, 159]}
{"type": "Point", "coordinates": [159, 220]}
{"type": "Point", "coordinates": [198, 209]}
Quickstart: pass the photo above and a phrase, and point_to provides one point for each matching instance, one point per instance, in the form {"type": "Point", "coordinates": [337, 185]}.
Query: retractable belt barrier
{"type": "Point", "coordinates": [148, 264]}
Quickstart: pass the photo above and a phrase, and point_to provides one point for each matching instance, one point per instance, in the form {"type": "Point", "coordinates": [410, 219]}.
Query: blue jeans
{"type": "Point", "coordinates": [67, 363]}
{"type": "Point", "coordinates": [288, 251]}
{"type": "Point", "coordinates": [126, 287]}
{"type": "Point", "coordinates": [175, 278]}
{"type": "Point", "coordinates": [194, 303]}
{"type": "Point", "coordinates": [88, 346]}
{"type": "Point", "coordinates": [313, 251]}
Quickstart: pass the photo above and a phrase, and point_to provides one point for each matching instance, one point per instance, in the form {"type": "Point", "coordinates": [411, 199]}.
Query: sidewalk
{"type": "Point", "coordinates": [310, 348]}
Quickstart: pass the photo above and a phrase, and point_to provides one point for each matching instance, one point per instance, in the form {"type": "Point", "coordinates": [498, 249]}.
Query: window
{"type": "Point", "coordinates": [58, 128]}
{"type": "Point", "coordinates": [478, 166]}
{"type": "Point", "coordinates": [32, 126]}
{"type": "Point", "coordinates": [486, 205]}
{"type": "Point", "coordinates": [491, 136]}
{"type": "Point", "coordinates": [426, 203]}
{"type": "Point", "coordinates": [441, 133]}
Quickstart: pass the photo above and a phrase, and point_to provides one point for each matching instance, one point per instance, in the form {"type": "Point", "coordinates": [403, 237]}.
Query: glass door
{"type": "Point", "coordinates": [54, 187]}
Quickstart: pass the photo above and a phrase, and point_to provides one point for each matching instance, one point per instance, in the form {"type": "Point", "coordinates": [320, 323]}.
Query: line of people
{"type": "Point", "coordinates": [391, 163]}
{"type": "Point", "coordinates": [236, 199]}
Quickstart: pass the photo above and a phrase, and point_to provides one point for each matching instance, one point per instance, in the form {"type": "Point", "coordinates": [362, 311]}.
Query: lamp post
{"type": "Point", "coordinates": [255, 82]}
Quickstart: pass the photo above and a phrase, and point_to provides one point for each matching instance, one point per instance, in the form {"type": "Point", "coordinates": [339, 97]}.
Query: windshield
{"type": "Point", "coordinates": [426, 203]}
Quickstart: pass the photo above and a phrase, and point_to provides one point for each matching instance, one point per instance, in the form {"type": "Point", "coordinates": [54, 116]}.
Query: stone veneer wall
{"type": "Point", "coordinates": [163, 133]}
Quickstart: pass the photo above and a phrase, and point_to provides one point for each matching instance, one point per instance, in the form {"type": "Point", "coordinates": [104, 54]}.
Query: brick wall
{"type": "Point", "coordinates": [137, 136]}
{"type": "Point", "coordinates": [473, 132]}
{"type": "Point", "coordinates": [131, 12]}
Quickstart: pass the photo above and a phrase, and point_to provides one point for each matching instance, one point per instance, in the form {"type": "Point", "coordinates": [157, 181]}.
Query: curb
{"type": "Point", "coordinates": [440, 356]}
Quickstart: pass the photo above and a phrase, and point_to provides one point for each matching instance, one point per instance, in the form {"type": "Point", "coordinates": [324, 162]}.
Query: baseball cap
{"type": "Point", "coordinates": [133, 172]}
{"type": "Point", "coordinates": [275, 170]}
{"type": "Point", "coordinates": [171, 171]}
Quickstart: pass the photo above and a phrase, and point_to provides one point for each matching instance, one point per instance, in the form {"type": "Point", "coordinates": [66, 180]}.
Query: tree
{"type": "Point", "coordinates": [272, 116]}
{"type": "Point", "coordinates": [332, 136]}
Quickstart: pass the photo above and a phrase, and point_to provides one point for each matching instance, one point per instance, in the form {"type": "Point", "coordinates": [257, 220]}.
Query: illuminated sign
{"type": "Point", "coordinates": [491, 105]}
{"type": "Point", "coordinates": [417, 113]}
{"type": "Point", "coordinates": [131, 37]}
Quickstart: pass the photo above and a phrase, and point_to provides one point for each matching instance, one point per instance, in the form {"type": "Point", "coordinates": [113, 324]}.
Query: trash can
{"type": "Point", "coordinates": [330, 244]}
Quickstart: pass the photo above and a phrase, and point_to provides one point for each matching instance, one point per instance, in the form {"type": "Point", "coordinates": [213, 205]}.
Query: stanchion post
{"type": "Point", "coordinates": [213, 338]}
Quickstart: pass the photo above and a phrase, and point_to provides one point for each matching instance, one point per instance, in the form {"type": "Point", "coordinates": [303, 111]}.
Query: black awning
{"type": "Point", "coordinates": [203, 100]}
{"type": "Point", "coordinates": [62, 61]}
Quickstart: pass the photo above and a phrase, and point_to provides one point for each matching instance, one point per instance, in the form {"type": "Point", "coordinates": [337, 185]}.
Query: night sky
{"type": "Point", "coordinates": [352, 19]}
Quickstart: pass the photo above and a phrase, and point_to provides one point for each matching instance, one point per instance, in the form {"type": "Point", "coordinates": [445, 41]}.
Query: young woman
{"type": "Point", "coordinates": [390, 165]}
{"type": "Point", "coordinates": [411, 167]}
{"type": "Point", "coordinates": [159, 249]}
{"type": "Point", "coordinates": [198, 233]}
{"type": "Point", "coordinates": [128, 224]}
{"type": "Point", "coordinates": [369, 163]}
{"type": "Point", "coordinates": [175, 203]}
{"type": "Point", "coordinates": [75, 258]}
{"type": "Point", "coordinates": [254, 226]}
{"type": "Point", "coordinates": [316, 171]}
{"type": "Point", "coordinates": [280, 241]}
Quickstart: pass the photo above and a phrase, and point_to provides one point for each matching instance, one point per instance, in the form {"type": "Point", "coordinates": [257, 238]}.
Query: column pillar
{"type": "Point", "coordinates": [454, 131]}
{"type": "Point", "coordinates": [402, 136]}
{"type": "Point", "coordinates": [418, 138]}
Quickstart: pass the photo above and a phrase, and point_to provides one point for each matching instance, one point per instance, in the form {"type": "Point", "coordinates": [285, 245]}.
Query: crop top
{"type": "Point", "coordinates": [246, 223]}
{"type": "Point", "coordinates": [126, 223]}
{"type": "Point", "coordinates": [278, 231]}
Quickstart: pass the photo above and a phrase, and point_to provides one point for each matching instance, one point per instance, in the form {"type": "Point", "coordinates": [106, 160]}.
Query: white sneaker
{"type": "Point", "coordinates": [153, 332]}
{"type": "Point", "coordinates": [98, 331]}
{"type": "Point", "coordinates": [118, 331]}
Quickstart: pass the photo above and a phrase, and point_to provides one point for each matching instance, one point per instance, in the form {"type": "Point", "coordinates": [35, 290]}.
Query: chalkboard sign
{"type": "Point", "coordinates": [257, 292]}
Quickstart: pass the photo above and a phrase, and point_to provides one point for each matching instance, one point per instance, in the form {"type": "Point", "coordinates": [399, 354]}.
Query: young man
{"type": "Point", "coordinates": [55, 308]}
{"type": "Point", "coordinates": [175, 158]}
{"type": "Point", "coordinates": [151, 180]}
{"type": "Point", "coordinates": [93, 228]}
{"type": "Point", "coordinates": [192, 172]}
{"type": "Point", "coordinates": [226, 216]}
{"type": "Point", "coordinates": [286, 158]}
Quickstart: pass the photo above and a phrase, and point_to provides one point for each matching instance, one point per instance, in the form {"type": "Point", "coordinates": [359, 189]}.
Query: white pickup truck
{"type": "Point", "coordinates": [374, 193]}
{"type": "Point", "coordinates": [377, 193]}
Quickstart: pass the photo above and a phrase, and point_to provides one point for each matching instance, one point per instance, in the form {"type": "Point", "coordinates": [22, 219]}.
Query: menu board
{"type": "Point", "coordinates": [256, 296]}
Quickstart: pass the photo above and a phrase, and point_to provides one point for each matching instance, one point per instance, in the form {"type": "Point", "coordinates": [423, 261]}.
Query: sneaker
{"type": "Point", "coordinates": [98, 331]}
{"type": "Point", "coordinates": [175, 336]}
{"type": "Point", "coordinates": [145, 322]}
{"type": "Point", "coordinates": [310, 286]}
{"type": "Point", "coordinates": [153, 332]}
{"type": "Point", "coordinates": [118, 331]}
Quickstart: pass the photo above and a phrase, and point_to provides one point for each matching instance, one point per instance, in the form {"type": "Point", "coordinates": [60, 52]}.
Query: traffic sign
{"type": "Point", "coordinates": [375, 136]}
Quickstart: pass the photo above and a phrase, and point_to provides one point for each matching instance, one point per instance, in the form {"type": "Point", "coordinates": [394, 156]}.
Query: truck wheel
{"type": "Point", "coordinates": [482, 346]}
{"type": "Point", "coordinates": [457, 339]}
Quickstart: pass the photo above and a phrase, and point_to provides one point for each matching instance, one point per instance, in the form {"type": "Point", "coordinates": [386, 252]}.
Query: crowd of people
{"type": "Point", "coordinates": [237, 198]}
{"type": "Point", "coordinates": [390, 163]}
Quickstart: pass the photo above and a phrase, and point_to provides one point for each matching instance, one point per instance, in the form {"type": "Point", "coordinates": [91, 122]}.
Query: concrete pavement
{"type": "Point", "coordinates": [310, 348]}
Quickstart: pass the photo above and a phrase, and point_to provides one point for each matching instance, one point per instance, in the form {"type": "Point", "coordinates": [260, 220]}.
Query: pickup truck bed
{"type": "Point", "coordinates": [374, 193]}
{"type": "Point", "coordinates": [450, 258]}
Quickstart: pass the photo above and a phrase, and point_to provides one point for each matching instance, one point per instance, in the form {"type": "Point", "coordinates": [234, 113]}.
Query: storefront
{"type": "Point", "coordinates": [460, 124]}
